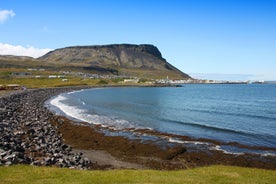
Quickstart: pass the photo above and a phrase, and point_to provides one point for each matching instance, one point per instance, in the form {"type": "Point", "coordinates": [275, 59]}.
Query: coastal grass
{"type": "Point", "coordinates": [46, 82]}
{"type": "Point", "coordinates": [43, 81]}
{"type": "Point", "coordinates": [212, 174]}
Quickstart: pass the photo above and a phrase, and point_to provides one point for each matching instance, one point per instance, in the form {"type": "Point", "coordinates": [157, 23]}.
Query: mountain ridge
{"type": "Point", "coordinates": [151, 49]}
{"type": "Point", "coordinates": [143, 61]}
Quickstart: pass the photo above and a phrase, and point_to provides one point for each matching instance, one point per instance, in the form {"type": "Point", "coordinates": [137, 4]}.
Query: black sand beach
{"type": "Point", "coordinates": [31, 134]}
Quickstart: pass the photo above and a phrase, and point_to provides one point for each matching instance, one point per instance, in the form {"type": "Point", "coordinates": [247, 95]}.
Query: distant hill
{"type": "Point", "coordinates": [11, 57]}
{"type": "Point", "coordinates": [123, 59]}
{"type": "Point", "coordinates": [9, 61]}
{"type": "Point", "coordinates": [144, 61]}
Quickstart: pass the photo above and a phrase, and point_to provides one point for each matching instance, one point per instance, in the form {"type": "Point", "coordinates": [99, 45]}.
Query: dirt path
{"type": "Point", "coordinates": [105, 160]}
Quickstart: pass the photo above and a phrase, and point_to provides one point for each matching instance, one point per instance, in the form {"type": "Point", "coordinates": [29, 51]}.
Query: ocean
{"type": "Point", "coordinates": [242, 113]}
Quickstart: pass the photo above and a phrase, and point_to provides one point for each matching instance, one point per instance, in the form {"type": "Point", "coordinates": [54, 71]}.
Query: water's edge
{"type": "Point", "coordinates": [144, 134]}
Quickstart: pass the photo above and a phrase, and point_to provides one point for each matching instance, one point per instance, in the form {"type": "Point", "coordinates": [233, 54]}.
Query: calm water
{"type": "Point", "coordinates": [229, 113]}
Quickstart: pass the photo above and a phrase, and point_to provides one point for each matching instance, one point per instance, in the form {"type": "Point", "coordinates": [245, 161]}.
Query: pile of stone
{"type": "Point", "coordinates": [27, 136]}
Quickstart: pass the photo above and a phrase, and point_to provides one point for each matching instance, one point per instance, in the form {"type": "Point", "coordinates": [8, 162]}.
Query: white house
{"type": "Point", "coordinates": [52, 76]}
{"type": "Point", "coordinates": [131, 80]}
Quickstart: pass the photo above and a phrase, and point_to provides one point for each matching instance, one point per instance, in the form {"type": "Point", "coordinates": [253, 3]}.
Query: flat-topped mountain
{"type": "Point", "coordinates": [125, 59]}
{"type": "Point", "coordinates": [144, 61]}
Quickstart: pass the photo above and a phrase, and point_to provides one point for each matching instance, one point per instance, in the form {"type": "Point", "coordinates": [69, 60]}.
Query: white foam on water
{"type": "Point", "coordinates": [218, 148]}
{"type": "Point", "coordinates": [83, 115]}
{"type": "Point", "coordinates": [176, 141]}
{"type": "Point", "coordinates": [71, 111]}
{"type": "Point", "coordinates": [269, 154]}
{"type": "Point", "coordinates": [187, 142]}
{"type": "Point", "coordinates": [257, 152]}
{"type": "Point", "coordinates": [75, 91]}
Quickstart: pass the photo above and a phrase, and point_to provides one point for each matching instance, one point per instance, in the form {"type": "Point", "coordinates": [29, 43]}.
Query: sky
{"type": "Point", "coordinates": [215, 39]}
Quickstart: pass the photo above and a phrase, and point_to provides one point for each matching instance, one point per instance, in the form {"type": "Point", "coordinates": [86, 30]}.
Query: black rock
{"type": "Point", "coordinates": [27, 135]}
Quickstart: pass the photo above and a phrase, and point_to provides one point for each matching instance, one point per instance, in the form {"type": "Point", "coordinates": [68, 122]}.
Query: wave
{"type": "Point", "coordinates": [220, 129]}
{"type": "Point", "coordinates": [218, 148]}
{"type": "Point", "coordinates": [231, 114]}
{"type": "Point", "coordinates": [174, 140]}
{"type": "Point", "coordinates": [204, 126]}
{"type": "Point", "coordinates": [240, 151]}
{"type": "Point", "coordinates": [77, 113]}
{"type": "Point", "coordinates": [233, 150]}
{"type": "Point", "coordinates": [77, 91]}
{"type": "Point", "coordinates": [71, 111]}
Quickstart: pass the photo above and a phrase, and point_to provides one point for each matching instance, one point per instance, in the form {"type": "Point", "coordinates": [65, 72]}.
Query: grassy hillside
{"type": "Point", "coordinates": [214, 174]}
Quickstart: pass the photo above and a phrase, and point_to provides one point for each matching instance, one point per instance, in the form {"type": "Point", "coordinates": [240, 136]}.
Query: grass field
{"type": "Point", "coordinates": [42, 82]}
{"type": "Point", "coordinates": [31, 81]}
{"type": "Point", "coordinates": [45, 82]}
{"type": "Point", "coordinates": [214, 174]}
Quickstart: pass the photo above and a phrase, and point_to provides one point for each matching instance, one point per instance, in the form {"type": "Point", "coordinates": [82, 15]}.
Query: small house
{"type": "Point", "coordinates": [52, 76]}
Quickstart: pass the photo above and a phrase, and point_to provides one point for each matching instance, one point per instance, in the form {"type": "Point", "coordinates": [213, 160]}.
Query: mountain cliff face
{"type": "Point", "coordinates": [126, 59]}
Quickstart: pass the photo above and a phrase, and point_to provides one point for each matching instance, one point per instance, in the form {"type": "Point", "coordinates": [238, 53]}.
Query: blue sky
{"type": "Point", "coordinates": [234, 38]}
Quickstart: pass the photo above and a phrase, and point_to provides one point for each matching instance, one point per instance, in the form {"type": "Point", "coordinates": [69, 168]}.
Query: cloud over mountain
{"type": "Point", "coordinates": [17, 50]}
{"type": "Point", "coordinates": [5, 15]}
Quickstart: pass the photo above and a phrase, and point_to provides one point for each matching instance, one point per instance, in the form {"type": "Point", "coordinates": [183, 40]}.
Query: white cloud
{"type": "Point", "coordinates": [5, 15]}
{"type": "Point", "coordinates": [17, 50]}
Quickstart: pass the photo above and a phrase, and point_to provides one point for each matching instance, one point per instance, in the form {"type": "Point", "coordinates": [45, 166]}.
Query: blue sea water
{"type": "Point", "coordinates": [230, 113]}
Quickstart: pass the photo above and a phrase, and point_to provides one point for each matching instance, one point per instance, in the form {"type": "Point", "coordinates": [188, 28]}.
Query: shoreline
{"type": "Point", "coordinates": [100, 148]}
{"type": "Point", "coordinates": [158, 154]}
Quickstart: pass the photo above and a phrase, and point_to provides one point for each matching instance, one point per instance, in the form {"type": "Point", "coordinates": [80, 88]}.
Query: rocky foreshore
{"type": "Point", "coordinates": [27, 136]}
{"type": "Point", "coordinates": [32, 134]}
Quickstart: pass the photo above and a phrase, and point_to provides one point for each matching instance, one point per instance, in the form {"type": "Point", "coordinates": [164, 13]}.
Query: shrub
{"type": "Point", "coordinates": [102, 82]}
